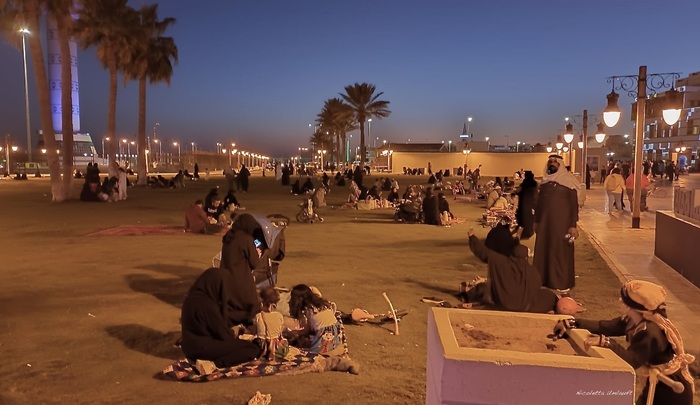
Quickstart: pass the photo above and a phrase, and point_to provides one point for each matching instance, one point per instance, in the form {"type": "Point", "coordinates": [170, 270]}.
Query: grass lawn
{"type": "Point", "coordinates": [86, 319]}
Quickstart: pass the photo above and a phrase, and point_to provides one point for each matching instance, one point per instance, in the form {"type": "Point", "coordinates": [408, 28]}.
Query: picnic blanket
{"type": "Point", "coordinates": [145, 230]}
{"type": "Point", "coordinates": [305, 362]}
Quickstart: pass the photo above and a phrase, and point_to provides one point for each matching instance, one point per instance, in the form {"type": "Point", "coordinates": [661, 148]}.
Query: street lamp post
{"type": "Point", "coordinates": [517, 146]}
{"type": "Point", "coordinates": [466, 152]}
{"type": "Point", "coordinates": [155, 139]}
{"type": "Point", "coordinates": [583, 144]}
{"type": "Point", "coordinates": [369, 130]}
{"type": "Point", "coordinates": [103, 147]}
{"type": "Point", "coordinates": [24, 32]}
{"type": "Point", "coordinates": [671, 113]}
{"type": "Point", "coordinates": [178, 152]}
{"type": "Point", "coordinates": [124, 141]}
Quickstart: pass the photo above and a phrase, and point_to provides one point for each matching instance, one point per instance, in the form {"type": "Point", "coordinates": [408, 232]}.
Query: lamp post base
{"type": "Point", "coordinates": [635, 222]}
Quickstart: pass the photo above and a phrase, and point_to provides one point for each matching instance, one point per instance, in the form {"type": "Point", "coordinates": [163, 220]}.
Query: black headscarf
{"type": "Point", "coordinates": [529, 181]}
{"type": "Point", "coordinates": [214, 284]}
{"type": "Point", "coordinates": [500, 240]}
{"type": "Point", "coordinates": [245, 223]}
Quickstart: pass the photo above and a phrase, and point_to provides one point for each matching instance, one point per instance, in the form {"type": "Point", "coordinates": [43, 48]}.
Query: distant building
{"type": "Point", "coordinates": [661, 141]}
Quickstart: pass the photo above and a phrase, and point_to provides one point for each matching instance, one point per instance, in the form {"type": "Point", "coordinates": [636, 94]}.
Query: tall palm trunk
{"type": "Point", "coordinates": [112, 112]}
{"type": "Point", "coordinates": [141, 140]}
{"type": "Point", "coordinates": [62, 22]}
{"type": "Point", "coordinates": [42, 86]}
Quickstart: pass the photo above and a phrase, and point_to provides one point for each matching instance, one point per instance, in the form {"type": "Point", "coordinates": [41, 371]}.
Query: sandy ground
{"type": "Point", "coordinates": [93, 319]}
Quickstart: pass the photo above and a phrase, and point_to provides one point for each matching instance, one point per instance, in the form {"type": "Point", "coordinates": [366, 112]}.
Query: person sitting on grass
{"type": "Point", "coordinates": [493, 196]}
{"type": "Point", "coordinates": [269, 324]}
{"type": "Point", "coordinates": [206, 328]}
{"type": "Point", "coordinates": [197, 221]}
{"type": "Point", "coordinates": [446, 216]}
{"type": "Point", "coordinates": [316, 327]}
{"type": "Point", "coordinates": [209, 199]}
{"type": "Point", "coordinates": [296, 188]}
{"type": "Point", "coordinates": [91, 192]}
{"type": "Point", "coordinates": [431, 215]}
{"type": "Point", "coordinates": [308, 186]}
{"type": "Point", "coordinates": [655, 348]}
{"type": "Point", "coordinates": [393, 196]}
{"type": "Point", "coordinates": [512, 283]}
{"type": "Point", "coordinates": [231, 202]}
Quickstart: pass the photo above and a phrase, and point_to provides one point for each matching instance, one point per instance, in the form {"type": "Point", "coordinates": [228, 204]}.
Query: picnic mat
{"type": "Point", "coordinates": [185, 370]}
{"type": "Point", "coordinates": [141, 230]}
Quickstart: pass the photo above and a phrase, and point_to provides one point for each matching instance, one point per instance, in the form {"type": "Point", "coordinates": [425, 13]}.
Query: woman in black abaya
{"type": "Point", "coordinates": [240, 257]}
{"type": "Point", "coordinates": [206, 331]}
{"type": "Point", "coordinates": [527, 201]}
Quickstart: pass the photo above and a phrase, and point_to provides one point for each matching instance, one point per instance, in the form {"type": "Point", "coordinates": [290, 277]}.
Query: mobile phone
{"type": "Point", "coordinates": [258, 243]}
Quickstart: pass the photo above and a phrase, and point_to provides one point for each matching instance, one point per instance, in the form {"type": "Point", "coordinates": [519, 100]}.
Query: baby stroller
{"type": "Point", "coordinates": [408, 212]}
{"type": "Point", "coordinates": [308, 212]}
{"type": "Point", "coordinates": [270, 238]}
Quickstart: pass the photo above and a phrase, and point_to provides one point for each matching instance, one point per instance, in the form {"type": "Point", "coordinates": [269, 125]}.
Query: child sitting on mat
{"type": "Point", "coordinates": [269, 324]}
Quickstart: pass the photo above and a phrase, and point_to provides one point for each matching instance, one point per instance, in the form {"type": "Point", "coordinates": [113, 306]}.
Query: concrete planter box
{"type": "Point", "coordinates": [465, 375]}
{"type": "Point", "coordinates": [678, 245]}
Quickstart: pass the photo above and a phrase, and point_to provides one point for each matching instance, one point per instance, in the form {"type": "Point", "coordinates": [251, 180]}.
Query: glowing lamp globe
{"type": "Point", "coordinates": [612, 112]}
{"type": "Point", "coordinates": [569, 134]}
{"type": "Point", "coordinates": [580, 144]}
{"type": "Point", "coordinates": [671, 116]}
{"type": "Point", "coordinates": [674, 104]}
{"type": "Point", "coordinates": [600, 134]}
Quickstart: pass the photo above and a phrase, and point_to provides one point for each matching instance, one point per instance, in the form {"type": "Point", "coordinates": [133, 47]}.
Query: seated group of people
{"type": "Point", "coordinates": [413, 171]}
{"type": "Point", "coordinates": [372, 197]}
{"type": "Point", "coordinates": [223, 308]}
{"type": "Point", "coordinates": [422, 205]}
{"type": "Point", "coordinates": [112, 189]}
{"type": "Point", "coordinates": [174, 182]}
{"type": "Point", "coordinates": [213, 214]}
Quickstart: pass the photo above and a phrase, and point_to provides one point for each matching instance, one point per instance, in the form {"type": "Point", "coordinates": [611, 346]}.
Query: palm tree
{"type": "Point", "coordinates": [364, 104]}
{"type": "Point", "coordinates": [337, 116]}
{"type": "Point", "coordinates": [26, 13]}
{"type": "Point", "coordinates": [153, 62]}
{"type": "Point", "coordinates": [60, 12]}
{"type": "Point", "coordinates": [321, 140]}
{"type": "Point", "coordinates": [108, 25]}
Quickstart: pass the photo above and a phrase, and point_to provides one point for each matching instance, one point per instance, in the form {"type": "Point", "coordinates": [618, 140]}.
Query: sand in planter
{"type": "Point", "coordinates": [515, 334]}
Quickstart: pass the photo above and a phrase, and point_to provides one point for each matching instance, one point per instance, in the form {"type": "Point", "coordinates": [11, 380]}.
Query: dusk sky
{"type": "Point", "coordinates": [258, 72]}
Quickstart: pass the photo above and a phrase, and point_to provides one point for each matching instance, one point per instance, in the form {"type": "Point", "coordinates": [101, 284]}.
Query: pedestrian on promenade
{"type": "Point", "coordinates": [614, 186]}
{"type": "Point", "coordinates": [555, 224]}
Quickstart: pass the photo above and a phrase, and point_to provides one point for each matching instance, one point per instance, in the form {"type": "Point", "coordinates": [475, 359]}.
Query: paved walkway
{"type": "Point", "coordinates": [630, 253]}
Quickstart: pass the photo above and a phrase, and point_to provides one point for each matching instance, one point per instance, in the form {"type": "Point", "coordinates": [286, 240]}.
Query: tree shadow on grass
{"type": "Point", "coordinates": [449, 293]}
{"type": "Point", "coordinates": [146, 340]}
{"type": "Point", "coordinates": [171, 290]}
